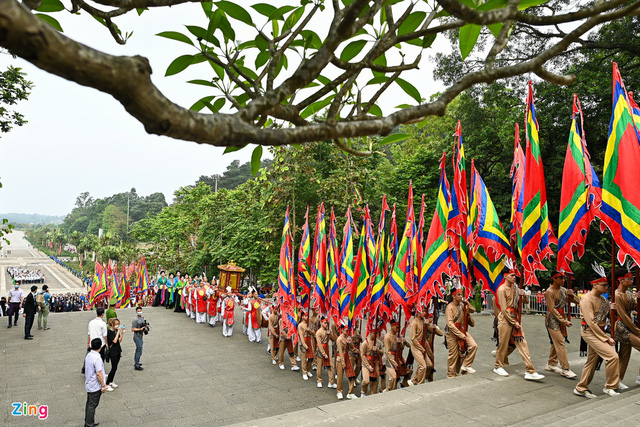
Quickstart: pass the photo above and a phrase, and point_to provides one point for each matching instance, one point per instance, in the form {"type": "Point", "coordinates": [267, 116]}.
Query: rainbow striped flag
{"type": "Point", "coordinates": [143, 276]}
{"type": "Point", "coordinates": [537, 233]}
{"type": "Point", "coordinates": [379, 280]}
{"type": "Point", "coordinates": [401, 274]}
{"type": "Point", "coordinates": [437, 257]}
{"type": "Point", "coordinates": [487, 228]}
{"type": "Point", "coordinates": [99, 288]}
{"type": "Point", "coordinates": [517, 194]}
{"type": "Point", "coordinates": [333, 269]}
{"type": "Point", "coordinates": [620, 184]}
{"type": "Point", "coordinates": [319, 275]}
{"type": "Point", "coordinates": [304, 265]}
{"type": "Point", "coordinates": [488, 273]}
{"type": "Point", "coordinates": [635, 110]}
{"type": "Point", "coordinates": [346, 269]}
{"type": "Point", "coordinates": [361, 272]}
{"type": "Point", "coordinates": [581, 194]}
{"type": "Point", "coordinates": [286, 280]}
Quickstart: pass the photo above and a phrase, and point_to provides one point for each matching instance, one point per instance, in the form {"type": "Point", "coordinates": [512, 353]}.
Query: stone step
{"type": "Point", "coordinates": [587, 409]}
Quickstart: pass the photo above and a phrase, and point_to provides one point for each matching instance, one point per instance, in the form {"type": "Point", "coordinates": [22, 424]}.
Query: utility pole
{"type": "Point", "coordinates": [216, 177]}
{"type": "Point", "coordinates": [128, 196]}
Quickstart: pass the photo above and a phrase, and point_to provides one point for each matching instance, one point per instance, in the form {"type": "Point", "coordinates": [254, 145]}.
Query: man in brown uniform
{"type": "Point", "coordinates": [343, 363]}
{"type": "Point", "coordinates": [626, 333]}
{"type": "Point", "coordinates": [323, 356]}
{"type": "Point", "coordinates": [274, 333]}
{"type": "Point", "coordinates": [305, 337]}
{"type": "Point", "coordinates": [314, 326]}
{"type": "Point", "coordinates": [594, 310]}
{"type": "Point", "coordinates": [286, 343]}
{"type": "Point", "coordinates": [557, 323]}
{"type": "Point", "coordinates": [354, 354]}
{"type": "Point", "coordinates": [393, 346]}
{"type": "Point", "coordinates": [369, 353]}
{"type": "Point", "coordinates": [462, 347]}
{"type": "Point", "coordinates": [416, 335]}
{"type": "Point", "coordinates": [510, 331]}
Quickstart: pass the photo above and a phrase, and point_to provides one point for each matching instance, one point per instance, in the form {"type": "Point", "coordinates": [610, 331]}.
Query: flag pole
{"type": "Point", "coordinates": [637, 295]}
{"type": "Point", "coordinates": [613, 285]}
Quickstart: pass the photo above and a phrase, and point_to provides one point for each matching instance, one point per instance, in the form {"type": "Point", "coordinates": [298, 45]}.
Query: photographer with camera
{"type": "Point", "coordinates": [139, 327]}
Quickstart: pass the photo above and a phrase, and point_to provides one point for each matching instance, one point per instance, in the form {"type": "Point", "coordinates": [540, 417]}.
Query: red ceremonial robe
{"type": "Point", "coordinates": [229, 307]}
{"type": "Point", "coordinates": [201, 303]}
{"type": "Point", "coordinates": [213, 304]}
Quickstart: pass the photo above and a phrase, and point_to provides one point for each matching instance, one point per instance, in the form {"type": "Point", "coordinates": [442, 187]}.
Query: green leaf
{"type": "Point", "coordinates": [207, 7]}
{"type": "Point", "coordinates": [262, 59]}
{"type": "Point", "coordinates": [375, 110]}
{"type": "Point", "coordinates": [412, 23]}
{"type": "Point", "coordinates": [174, 35]}
{"type": "Point", "coordinates": [233, 149]}
{"type": "Point", "coordinates": [256, 158]}
{"type": "Point", "coordinates": [215, 108]}
{"type": "Point", "coordinates": [378, 80]}
{"type": "Point", "coordinates": [200, 104]}
{"type": "Point", "coordinates": [264, 9]}
{"type": "Point", "coordinates": [524, 4]}
{"type": "Point", "coordinates": [409, 89]}
{"type": "Point", "coordinates": [468, 38]}
{"type": "Point", "coordinates": [394, 137]}
{"type": "Point", "coordinates": [202, 82]}
{"type": "Point", "coordinates": [352, 50]}
{"type": "Point", "coordinates": [179, 64]}
{"type": "Point", "coordinates": [235, 11]}
{"type": "Point", "coordinates": [495, 28]}
{"type": "Point", "coordinates": [226, 28]}
{"type": "Point", "coordinates": [261, 43]}
{"type": "Point", "coordinates": [492, 4]}
{"type": "Point", "coordinates": [293, 18]}
{"type": "Point", "coordinates": [141, 10]}
{"type": "Point", "coordinates": [322, 79]}
{"type": "Point", "coordinates": [311, 39]}
{"type": "Point", "coordinates": [428, 40]}
{"type": "Point", "coordinates": [51, 21]}
{"type": "Point", "coordinates": [283, 10]}
{"type": "Point", "coordinates": [316, 106]}
{"type": "Point", "coordinates": [50, 6]}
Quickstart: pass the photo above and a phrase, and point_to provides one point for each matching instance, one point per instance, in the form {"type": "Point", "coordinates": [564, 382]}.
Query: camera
{"type": "Point", "coordinates": [146, 327]}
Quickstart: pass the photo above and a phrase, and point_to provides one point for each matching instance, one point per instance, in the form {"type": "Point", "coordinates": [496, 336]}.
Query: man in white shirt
{"type": "Point", "coordinates": [98, 329]}
{"type": "Point", "coordinates": [16, 296]}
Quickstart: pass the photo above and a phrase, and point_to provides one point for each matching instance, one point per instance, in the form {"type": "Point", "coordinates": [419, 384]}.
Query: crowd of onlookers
{"type": "Point", "coordinates": [68, 302]}
{"type": "Point", "coordinates": [24, 275]}
{"type": "Point", "coordinates": [85, 277]}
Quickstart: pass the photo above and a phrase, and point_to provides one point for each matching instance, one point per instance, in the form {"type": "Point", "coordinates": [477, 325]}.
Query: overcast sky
{"type": "Point", "coordinates": [79, 139]}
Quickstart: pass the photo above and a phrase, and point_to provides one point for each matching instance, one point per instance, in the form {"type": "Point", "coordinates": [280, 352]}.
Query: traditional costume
{"type": "Point", "coordinates": [178, 300]}
{"type": "Point", "coordinates": [274, 334]}
{"type": "Point", "coordinates": [212, 305]}
{"type": "Point", "coordinates": [509, 327]}
{"type": "Point", "coordinates": [343, 363]}
{"type": "Point", "coordinates": [627, 334]}
{"type": "Point", "coordinates": [285, 344]}
{"type": "Point", "coordinates": [255, 320]}
{"type": "Point", "coordinates": [594, 311]}
{"type": "Point", "coordinates": [201, 304]}
{"type": "Point", "coordinates": [461, 345]}
{"type": "Point", "coordinates": [323, 356]}
{"type": "Point", "coordinates": [228, 316]}
{"type": "Point", "coordinates": [160, 284]}
{"type": "Point", "coordinates": [556, 323]}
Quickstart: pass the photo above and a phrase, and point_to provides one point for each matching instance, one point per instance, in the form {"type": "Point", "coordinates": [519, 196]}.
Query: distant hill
{"type": "Point", "coordinates": [20, 218]}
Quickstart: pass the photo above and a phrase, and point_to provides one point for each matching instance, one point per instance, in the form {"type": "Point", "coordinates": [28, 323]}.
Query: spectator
{"type": "Point", "coordinates": [527, 300]}
{"type": "Point", "coordinates": [98, 329]}
{"type": "Point", "coordinates": [94, 380]}
{"type": "Point", "coordinates": [29, 314]}
{"type": "Point", "coordinates": [3, 307]}
{"type": "Point", "coordinates": [16, 297]}
{"type": "Point", "coordinates": [43, 304]}
{"type": "Point", "coordinates": [114, 338]}
{"type": "Point", "coordinates": [111, 312]}
{"type": "Point", "coordinates": [138, 327]}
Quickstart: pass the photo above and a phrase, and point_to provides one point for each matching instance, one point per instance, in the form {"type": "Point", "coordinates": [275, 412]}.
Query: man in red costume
{"type": "Point", "coordinates": [255, 319]}
{"type": "Point", "coordinates": [229, 306]}
{"type": "Point", "coordinates": [212, 305]}
{"type": "Point", "coordinates": [201, 304]}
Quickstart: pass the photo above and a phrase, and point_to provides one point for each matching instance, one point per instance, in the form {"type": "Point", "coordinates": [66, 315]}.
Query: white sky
{"type": "Point", "coordinates": [79, 139]}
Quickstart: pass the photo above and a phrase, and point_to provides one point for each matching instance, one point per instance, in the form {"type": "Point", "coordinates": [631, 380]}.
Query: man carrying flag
{"type": "Point", "coordinates": [556, 322]}
{"type": "Point", "coordinates": [511, 335]}
{"type": "Point", "coordinates": [461, 345]}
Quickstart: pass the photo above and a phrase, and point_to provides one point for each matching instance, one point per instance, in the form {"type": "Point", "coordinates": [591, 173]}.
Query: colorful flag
{"type": "Point", "coordinates": [332, 269]}
{"type": "Point", "coordinates": [457, 226]}
{"type": "Point", "coordinates": [304, 265]}
{"type": "Point", "coordinates": [143, 279]}
{"type": "Point", "coordinates": [517, 194]}
{"type": "Point", "coordinates": [581, 194]}
{"type": "Point", "coordinates": [437, 257]}
{"type": "Point", "coordinates": [286, 279]}
{"type": "Point", "coordinates": [402, 272]}
{"type": "Point", "coordinates": [488, 232]}
{"type": "Point", "coordinates": [488, 273]}
{"type": "Point", "coordinates": [620, 184]}
{"type": "Point", "coordinates": [635, 110]}
{"type": "Point", "coordinates": [346, 269]}
{"type": "Point", "coordinates": [319, 275]}
{"type": "Point", "coordinates": [537, 233]}
{"type": "Point", "coordinates": [99, 288]}
{"type": "Point", "coordinates": [361, 272]}
{"type": "Point", "coordinates": [378, 278]}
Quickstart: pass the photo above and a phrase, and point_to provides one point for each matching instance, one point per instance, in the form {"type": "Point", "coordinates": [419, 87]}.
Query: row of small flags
{"type": "Point", "coordinates": [109, 281]}
{"type": "Point", "coordinates": [390, 273]}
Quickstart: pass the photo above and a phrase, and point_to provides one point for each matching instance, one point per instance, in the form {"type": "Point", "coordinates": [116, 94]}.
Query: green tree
{"type": "Point", "coordinates": [288, 82]}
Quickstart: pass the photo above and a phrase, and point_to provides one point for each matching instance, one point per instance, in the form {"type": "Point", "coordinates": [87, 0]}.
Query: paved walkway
{"type": "Point", "coordinates": [194, 376]}
{"type": "Point", "coordinates": [21, 254]}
